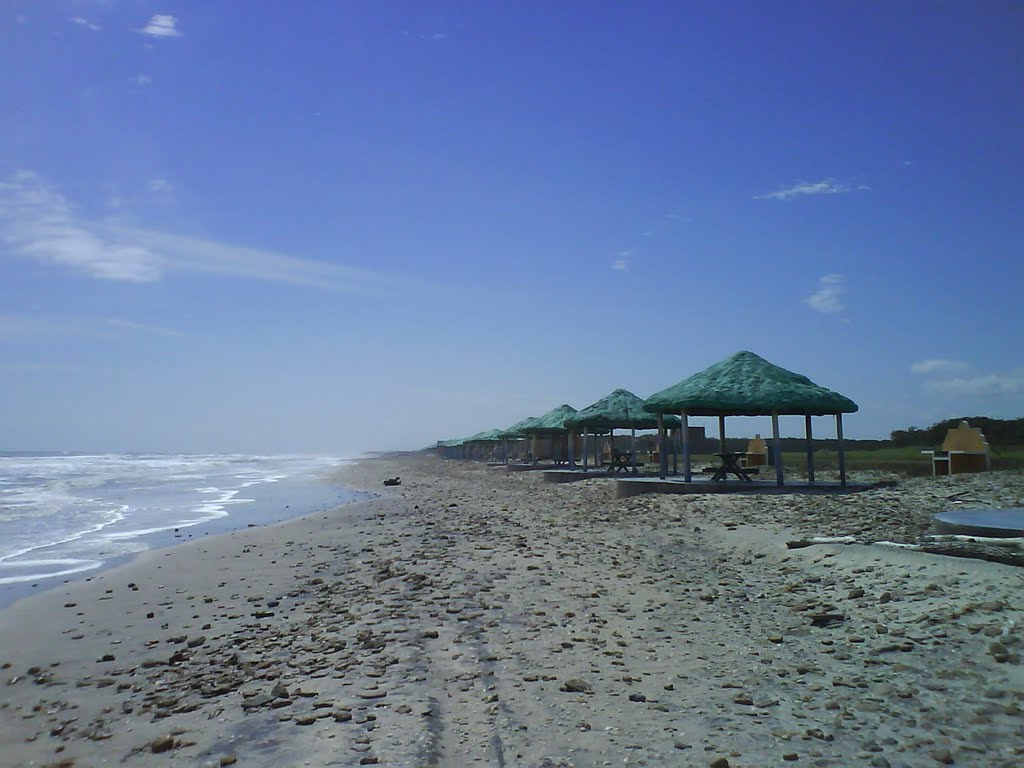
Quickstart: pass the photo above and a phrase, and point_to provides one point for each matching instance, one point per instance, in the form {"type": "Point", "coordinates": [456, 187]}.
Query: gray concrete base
{"type": "Point", "coordinates": [984, 523]}
{"type": "Point", "coordinates": [572, 475]}
{"type": "Point", "coordinates": [532, 468]}
{"type": "Point", "coordinates": [634, 486]}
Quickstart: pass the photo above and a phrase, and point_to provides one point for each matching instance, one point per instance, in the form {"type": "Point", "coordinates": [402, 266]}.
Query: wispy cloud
{"type": "Point", "coordinates": [14, 328]}
{"type": "Point", "coordinates": [160, 185]}
{"type": "Point", "coordinates": [39, 223]}
{"type": "Point", "coordinates": [827, 298]}
{"type": "Point", "coordinates": [802, 188]}
{"type": "Point", "coordinates": [128, 325]}
{"type": "Point", "coordinates": [142, 80]}
{"type": "Point", "coordinates": [938, 367]}
{"type": "Point", "coordinates": [161, 25]}
{"type": "Point", "coordinates": [83, 22]}
{"type": "Point", "coordinates": [624, 258]}
{"type": "Point", "coordinates": [27, 328]}
{"type": "Point", "coordinates": [987, 385]}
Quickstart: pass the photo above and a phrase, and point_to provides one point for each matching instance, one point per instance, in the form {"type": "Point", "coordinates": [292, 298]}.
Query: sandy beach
{"type": "Point", "coordinates": [475, 617]}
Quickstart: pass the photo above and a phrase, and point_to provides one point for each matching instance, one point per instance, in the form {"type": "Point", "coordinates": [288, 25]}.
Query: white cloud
{"type": "Point", "coordinates": [82, 22]}
{"type": "Point", "coordinates": [161, 26]}
{"type": "Point", "coordinates": [938, 367]}
{"type": "Point", "coordinates": [142, 80]}
{"type": "Point", "coordinates": [989, 385]}
{"type": "Point", "coordinates": [160, 185]}
{"type": "Point", "coordinates": [621, 264]}
{"type": "Point", "coordinates": [823, 187]}
{"type": "Point", "coordinates": [38, 223]}
{"type": "Point", "coordinates": [826, 298]}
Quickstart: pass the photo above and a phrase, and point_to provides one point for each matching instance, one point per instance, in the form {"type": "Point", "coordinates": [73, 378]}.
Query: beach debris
{"type": "Point", "coordinates": [161, 744]}
{"type": "Point", "coordinates": [575, 685]}
{"type": "Point", "coordinates": [279, 691]}
{"type": "Point", "coordinates": [393, 481]}
{"type": "Point", "coordinates": [827, 619]}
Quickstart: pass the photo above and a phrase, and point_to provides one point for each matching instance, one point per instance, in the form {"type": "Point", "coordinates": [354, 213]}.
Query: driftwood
{"type": "Point", "coordinates": [1008, 551]}
{"type": "Point", "coordinates": [990, 552]}
{"type": "Point", "coordinates": [1014, 541]}
{"type": "Point", "coordinates": [801, 543]}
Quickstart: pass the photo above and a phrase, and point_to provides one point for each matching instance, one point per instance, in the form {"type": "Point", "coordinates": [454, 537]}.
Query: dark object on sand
{"type": "Point", "coordinates": [827, 619]}
{"type": "Point", "coordinates": [393, 481]}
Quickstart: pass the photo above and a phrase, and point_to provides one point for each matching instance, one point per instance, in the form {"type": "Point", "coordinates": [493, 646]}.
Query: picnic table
{"type": "Point", "coordinates": [622, 461]}
{"type": "Point", "coordinates": [730, 466]}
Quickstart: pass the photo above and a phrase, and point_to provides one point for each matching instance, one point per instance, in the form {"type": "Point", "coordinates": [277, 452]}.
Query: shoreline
{"type": "Point", "coordinates": [469, 616]}
{"type": "Point", "coordinates": [268, 507]}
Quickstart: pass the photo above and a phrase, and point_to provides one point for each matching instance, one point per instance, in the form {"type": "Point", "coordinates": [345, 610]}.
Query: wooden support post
{"type": "Point", "coordinates": [504, 458]}
{"type": "Point", "coordinates": [675, 452]}
{"type": "Point", "coordinates": [662, 446]}
{"type": "Point", "coordinates": [842, 450]}
{"type": "Point", "coordinates": [585, 450]}
{"type": "Point", "coordinates": [684, 421]}
{"type": "Point", "coordinates": [721, 433]}
{"type": "Point", "coordinates": [810, 449]}
{"type": "Point", "coordinates": [632, 447]}
{"type": "Point", "coordinates": [571, 448]}
{"type": "Point", "coordinates": [777, 449]}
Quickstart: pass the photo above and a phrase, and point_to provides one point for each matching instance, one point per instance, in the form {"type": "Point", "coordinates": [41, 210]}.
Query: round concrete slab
{"type": "Point", "coordinates": [993, 523]}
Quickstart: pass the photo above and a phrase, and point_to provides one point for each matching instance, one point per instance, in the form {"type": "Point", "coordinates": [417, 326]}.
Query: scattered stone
{"type": "Point", "coordinates": [161, 744]}
{"type": "Point", "coordinates": [576, 685]}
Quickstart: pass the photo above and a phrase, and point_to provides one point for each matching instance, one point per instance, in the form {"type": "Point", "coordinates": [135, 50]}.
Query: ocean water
{"type": "Point", "coordinates": [62, 515]}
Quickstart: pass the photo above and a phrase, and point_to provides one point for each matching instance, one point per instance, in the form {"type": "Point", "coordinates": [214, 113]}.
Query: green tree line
{"type": "Point", "coordinates": [998, 432]}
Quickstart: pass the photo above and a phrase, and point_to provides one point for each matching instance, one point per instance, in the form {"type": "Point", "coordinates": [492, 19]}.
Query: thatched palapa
{"type": "Point", "coordinates": [619, 410]}
{"type": "Point", "coordinates": [746, 384]}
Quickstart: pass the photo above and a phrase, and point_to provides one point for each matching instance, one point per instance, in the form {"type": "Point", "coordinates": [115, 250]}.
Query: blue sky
{"type": "Point", "coordinates": [339, 226]}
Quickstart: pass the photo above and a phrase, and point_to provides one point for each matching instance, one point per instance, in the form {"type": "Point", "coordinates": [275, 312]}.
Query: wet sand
{"type": "Point", "coordinates": [469, 617]}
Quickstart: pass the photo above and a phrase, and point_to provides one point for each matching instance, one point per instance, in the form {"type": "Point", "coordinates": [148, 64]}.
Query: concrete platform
{"type": "Point", "coordinates": [634, 486]}
{"type": "Point", "coordinates": [990, 523]}
{"type": "Point", "coordinates": [529, 467]}
{"type": "Point", "coordinates": [572, 475]}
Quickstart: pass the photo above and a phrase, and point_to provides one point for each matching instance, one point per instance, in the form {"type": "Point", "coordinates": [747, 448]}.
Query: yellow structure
{"type": "Point", "coordinates": [963, 450]}
{"type": "Point", "coordinates": [757, 453]}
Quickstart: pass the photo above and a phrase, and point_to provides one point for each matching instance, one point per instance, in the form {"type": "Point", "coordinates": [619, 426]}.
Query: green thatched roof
{"type": "Point", "coordinates": [520, 428]}
{"type": "Point", "coordinates": [490, 436]}
{"type": "Point", "coordinates": [552, 421]}
{"type": "Point", "coordinates": [748, 385]}
{"type": "Point", "coordinates": [619, 410]}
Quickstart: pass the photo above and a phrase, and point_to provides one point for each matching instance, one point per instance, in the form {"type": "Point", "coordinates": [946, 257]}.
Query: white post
{"type": "Point", "coordinates": [632, 447]}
